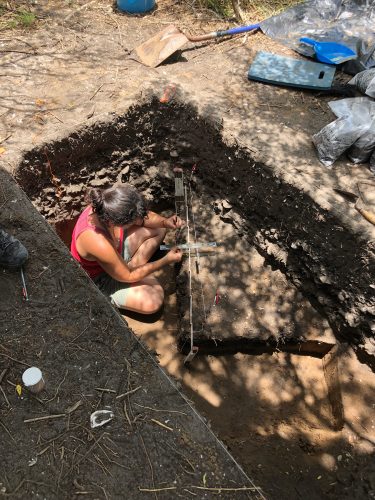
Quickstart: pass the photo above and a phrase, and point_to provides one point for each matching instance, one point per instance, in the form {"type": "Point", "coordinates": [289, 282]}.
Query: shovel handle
{"type": "Point", "coordinates": [237, 31]}
{"type": "Point", "coordinates": [369, 216]}
{"type": "Point", "coordinates": [217, 34]}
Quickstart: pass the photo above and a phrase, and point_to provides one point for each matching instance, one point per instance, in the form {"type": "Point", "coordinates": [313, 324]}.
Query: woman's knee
{"type": "Point", "coordinates": [153, 300]}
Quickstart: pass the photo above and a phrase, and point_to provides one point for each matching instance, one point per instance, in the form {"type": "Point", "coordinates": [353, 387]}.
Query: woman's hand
{"type": "Point", "coordinates": [173, 222]}
{"type": "Point", "coordinates": [174, 255]}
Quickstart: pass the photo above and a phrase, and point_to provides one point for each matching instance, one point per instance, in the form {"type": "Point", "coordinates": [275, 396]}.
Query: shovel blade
{"type": "Point", "coordinates": [158, 48]}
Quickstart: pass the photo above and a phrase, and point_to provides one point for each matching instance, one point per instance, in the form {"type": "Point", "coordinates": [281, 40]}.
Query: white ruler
{"type": "Point", "coordinates": [191, 246]}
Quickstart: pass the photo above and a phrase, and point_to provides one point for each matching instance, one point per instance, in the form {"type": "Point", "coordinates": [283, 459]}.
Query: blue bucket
{"type": "Point", "coordinates": [135, 6]}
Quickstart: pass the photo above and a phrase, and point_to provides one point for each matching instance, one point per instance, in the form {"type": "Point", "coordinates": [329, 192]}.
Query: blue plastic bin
{"type": "Point", "coordinates": [135, 6]}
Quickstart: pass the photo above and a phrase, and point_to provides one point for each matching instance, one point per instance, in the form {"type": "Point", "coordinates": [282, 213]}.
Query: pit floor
{"type": "Point", "coordinates": [272, 411]}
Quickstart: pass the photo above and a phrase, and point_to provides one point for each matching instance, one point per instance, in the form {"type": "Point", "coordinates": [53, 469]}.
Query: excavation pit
{"type": "Point", "coordinates": [293, 278]}
{"type": "Point", "coordinates": [279, 233]}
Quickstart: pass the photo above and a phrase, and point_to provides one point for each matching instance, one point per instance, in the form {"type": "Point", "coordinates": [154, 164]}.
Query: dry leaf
{"type": "Point", "coordinates": [2, 150]}
{"type": "Point", "coordinates": [19, 389]}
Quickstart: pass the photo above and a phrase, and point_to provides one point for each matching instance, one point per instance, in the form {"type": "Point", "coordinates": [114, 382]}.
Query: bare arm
{"type": "Point", "coordinates": [94, 246]}
{"type": "Point", "coordinates": [154, 220]}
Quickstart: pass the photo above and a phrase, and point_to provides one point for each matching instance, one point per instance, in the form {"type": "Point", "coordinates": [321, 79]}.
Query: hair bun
{"type": "Point", "coordinates": [95, 198]}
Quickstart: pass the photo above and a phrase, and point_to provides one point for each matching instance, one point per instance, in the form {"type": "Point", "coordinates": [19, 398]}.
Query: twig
{"type": "Point", "coordinates": [160, 410]}
{"type": "Point", "coordinates": [128, 392]}
{"type": "Point", "coordinates": [161, 424]}
{"type": "Point", "coordinates": [105, 390]}
{"type": "Point", "coordinates": [96, 91]}
{"type": "Point", "coordinates": [103, 489]}
{"type": "Point", "coordinates": [73, 408]}
{"type": "Point", "coordinates": [101, 465]}
{"type": "Point", "coordinates": [18, 487]}
{"type": "Point", "coordinates": [54, 179]}
{"type": "Point", "coordinates": [83, 331]}
{"type": "Point", "coordinates": [86, 454]}
{"type": "Point", "coordinates": [5, 138]}
{"type": "Point", "coordinates": [149, 461]}
{"type": "Point", "coordinates": [58, 388]}
{"type": "Point", "coordinates": [5, 396]}
{"type": "Point", "coordinates": [46, 417]}
{"type": "Point", "coordinates": [19, 40]}
{"type": "Point", "coordinates": [57, 118]}
{"type": "Point", "coordinates": [111, 460]}
{"type": "Point", "coordinates": [3, 374]}
{"type": "Point", "coordinates": [126, 414]}
{"type": "Point", "coordinates": [43, 451]}
{"type": "Point", "coordinates": [243, 488]}
{"type": "Point", "coordinates": [7, 431]}
{"type": "Point", "coordinates": [154, 490]}
{"type": "Point", "coordinates": [18, 52]}
{"type": "Point", "coordinates": [13, 359]}
{"type": "Point", "coordinates": [56, 437]}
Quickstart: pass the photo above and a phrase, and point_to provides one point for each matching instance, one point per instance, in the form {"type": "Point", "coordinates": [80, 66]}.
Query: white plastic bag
{"type": "Point", "coordinates": [363, 147]}
{"type": "Point", "coordinates": [346, 107]}
{"type": "Point", "coordinates": [365, 82]}
{"type": "Point", "coordinates": [363, 109]}
{"type": "Point", "coordinates": [336, 137]}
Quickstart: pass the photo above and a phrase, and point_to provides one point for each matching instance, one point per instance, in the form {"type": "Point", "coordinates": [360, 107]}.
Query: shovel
{"type": "Point", "coordinates": [359, 204]}
{"type": "Point", "coordinates": [330, 52]}
{"type": "Point", "coordinates": [158, 48]}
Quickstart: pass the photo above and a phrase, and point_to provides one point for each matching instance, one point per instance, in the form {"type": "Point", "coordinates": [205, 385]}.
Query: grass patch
{"type": "Point", "coordinates": [265, 9]}
{"type": "Point", "coordinates": [255, 10]}
{"type": "Point", "coordinates": [12, 18]}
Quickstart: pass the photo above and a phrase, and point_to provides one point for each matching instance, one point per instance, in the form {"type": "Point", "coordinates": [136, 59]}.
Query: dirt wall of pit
{"type": "Point", "coordinates": [315, 247]}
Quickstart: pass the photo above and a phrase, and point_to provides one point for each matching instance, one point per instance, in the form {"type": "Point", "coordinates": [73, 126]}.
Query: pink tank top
{"type": "Point", "coordinates": [92, 267]}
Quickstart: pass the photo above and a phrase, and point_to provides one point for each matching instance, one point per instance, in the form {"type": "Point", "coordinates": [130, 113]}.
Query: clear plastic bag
{"type": "Point", "coordinates": [372, 163]}
{"type": "Point", "coordinates": [363, 147]}
{"type": "Point", "coordinates": [350, 105]}
{"type": "Point", "coordinates": [365, 82]}
{"type": "Point", "coordinates": [336, 137]}
{"type": "Point", "coordinates": [349, 22]}
{"type": "Point", "coordinates": [363, 108]}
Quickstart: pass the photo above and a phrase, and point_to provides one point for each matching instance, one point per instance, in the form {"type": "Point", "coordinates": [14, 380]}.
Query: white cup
{"type": "Point", "coordinates": [32, 379]}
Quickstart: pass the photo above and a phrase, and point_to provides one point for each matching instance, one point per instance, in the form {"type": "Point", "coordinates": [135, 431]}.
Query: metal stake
{"type": "Point", "coordinates": [24, 289]}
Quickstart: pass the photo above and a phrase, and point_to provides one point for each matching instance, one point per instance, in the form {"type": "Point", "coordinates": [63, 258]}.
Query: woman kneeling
{"type": "Point", "coordinates": [113, 240]}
